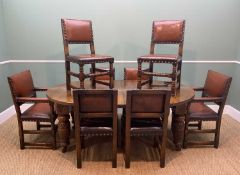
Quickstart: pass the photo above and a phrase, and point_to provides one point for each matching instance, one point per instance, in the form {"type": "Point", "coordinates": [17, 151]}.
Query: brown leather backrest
{"type": "Point", "coordinates": [95, 101]}
{"type": "Point", "coordinates": [21, 84]}
{"type": "Point", "coordinates": [148, 101]}
{"type": "Point", "coordinates": [216, 84]}
{"type": "Point", "coordinates": [132, 74]}
{"type": "Point", "coordinates": [168, 31]}
{"type": "Point", "coordinates": [77, 30]}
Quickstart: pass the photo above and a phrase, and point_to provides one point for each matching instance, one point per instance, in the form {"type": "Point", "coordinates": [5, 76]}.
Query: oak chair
{"type": "Point", "coordinates": [215, 90]}
{"type": "Point", "coordinates": [164, 32]}
{"type": "Point", "coordinates": [80, 32]}
{"type": "Point", "coordinates": [23, 91]}
{"type": "Point", "coordinates": [147, 114]}
{"type": "Point", "coordinates": [95, 114]}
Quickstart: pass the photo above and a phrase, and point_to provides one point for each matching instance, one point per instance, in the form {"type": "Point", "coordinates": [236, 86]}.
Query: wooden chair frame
{"type": "Point", "coordinates": [98, 130]}
{"type": "Point", "coordinates": [206, 98]}
{"type": "Point", "coordinates": [19, 100]}
{"type": "Point", "coordinates": [81, 60]}
{"type": "Point", "coordinates": [153, 58]}
{"type": "Point", "coordinates": [164, 95]}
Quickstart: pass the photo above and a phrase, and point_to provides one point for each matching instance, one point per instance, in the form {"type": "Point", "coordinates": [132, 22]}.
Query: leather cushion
{"type": "Point", "coordinates": [39, 111]}
{"type": "Point", "coordinates": [201, 111]}
{"type": "Point", "coordinates": [159, 57]}
{"type": "Point", "coordinates": [90, 58]}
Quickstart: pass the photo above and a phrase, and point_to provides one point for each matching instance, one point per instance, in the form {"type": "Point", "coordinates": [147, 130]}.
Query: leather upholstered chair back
{"type": "Point", "coordinates": [77, 31]}
{"type": "Point", "coordinates": [216, 84]}
{"type": "Point", "coordinates": [21, 84]}
{"type": "Point", "coordinates": [95, 114]}
{"type": "Point", "coordinates": [147, 114]}
{"type": "Point", "coordinates": [168, 31]}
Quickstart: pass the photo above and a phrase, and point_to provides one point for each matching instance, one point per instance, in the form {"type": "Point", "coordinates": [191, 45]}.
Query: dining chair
{"type": "Point", "coordinates": [41, 112]}
{"type": "Point", "coordinates": [147, 115]}
{"type": "Point", "coordinates": [95, 114]}
{"type": "Point", "coordinates": [164, 32]}
{"type": "Point", "coordinates": [80, 32]}
{"type": "Point", "coordinates": [215, 90]}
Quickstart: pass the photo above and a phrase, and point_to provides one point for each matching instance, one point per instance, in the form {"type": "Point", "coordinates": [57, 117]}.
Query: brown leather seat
{"type": "Point", "coordinates": [95, 114]}
{"type": "Point", "coordinates": [146, 115]}
{"type": "Point", "coordinates": [164, 32]}
{"type": "Point", "coordinates": [23, 91]}
{"type": "Point", "coordinates": [80, 32]}
{"type": "Point", "coordinates": [215, 90]}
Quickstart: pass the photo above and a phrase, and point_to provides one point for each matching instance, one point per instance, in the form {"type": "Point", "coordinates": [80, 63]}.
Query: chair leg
{"type": "Point", "coordinates": [111, 85]}
{"type": "Point", "coordinates": [81, 76]}
{"type": "Point", "coordinates": [199, 125]}
{"type": "Point", "coordinates": [163, 149]}
{"type": "Point", "coordinates": [179, 68]}
{"type": "Point", "coordinates": [93, 78]}
{"type": "Point", "coordinates": [79, 150]}
{"type": "Point", "coordinates": [38, 125]}
{"type": "Point", "coordinates": [150, 70]}
{"type": "Point", "coordinates": [114, 143]}
{"type": "Point", "coordinates": [174, 74]}
{"type": "Point", "coordinates": [21, 135]}
{"type": "Point", "coordinates": [217, 133]}
{"type": "Point", "coordinates": [68, 78]}
{"type": "Point", "coordinates": [185, 134]}
{"type": "Point", "coordinates": [127, 144]}
{"type": "Point", "coordinates": [139, 83]}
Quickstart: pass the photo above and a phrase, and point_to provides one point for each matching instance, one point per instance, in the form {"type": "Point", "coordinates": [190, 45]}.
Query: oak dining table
{"type": "Point", "coordinates": [62, 100]}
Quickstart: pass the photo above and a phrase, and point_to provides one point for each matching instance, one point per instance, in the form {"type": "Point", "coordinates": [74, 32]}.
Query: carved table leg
{"type": "Point", "coordinates": [178, 124]}
{"type": "Point", "coordinates": [63, 126]}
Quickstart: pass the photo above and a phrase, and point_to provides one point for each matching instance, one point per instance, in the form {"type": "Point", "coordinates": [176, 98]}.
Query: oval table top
{"type": "Point", "coordinates": [59, 94]}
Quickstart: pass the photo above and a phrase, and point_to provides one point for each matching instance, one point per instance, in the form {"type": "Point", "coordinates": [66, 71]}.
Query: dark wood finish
{"type": "Point", "coordinates": [104, 77]}
{"type": "Point", "coordinates": [147, 114]}
{"type": "Point", "coordinates": [215, 90]}
{"type": "Point", "coordinates": [95, 113]}
{"type": "Point", "coordinates": [164, 32]}
{"type": "Point", "coordinates": [63, 100]}
{"type": "Point", "coordinates": [23, 91]}
{"type": "Point", "coordinates": [80, 32]}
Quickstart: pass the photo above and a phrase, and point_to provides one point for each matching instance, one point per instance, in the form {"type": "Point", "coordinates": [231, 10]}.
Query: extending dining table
{"type": "Point", "coordinates": [62, 100]}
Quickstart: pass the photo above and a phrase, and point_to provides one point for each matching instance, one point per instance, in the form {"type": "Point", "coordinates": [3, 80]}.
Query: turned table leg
{"type": "Point", "coordinates": [178, 124]}
{"type": "Point", "coordinates": [63, 126]}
